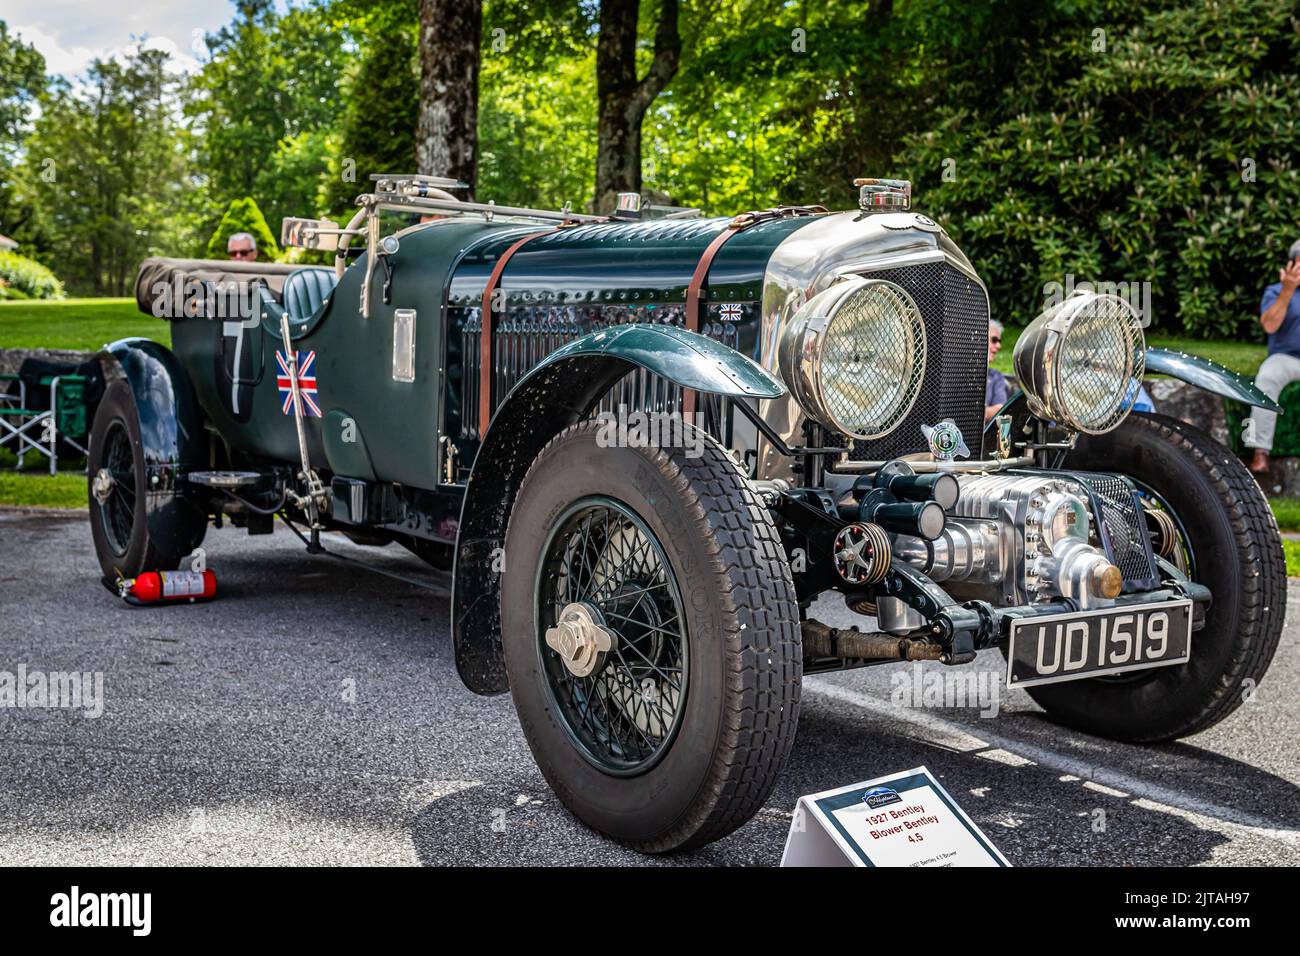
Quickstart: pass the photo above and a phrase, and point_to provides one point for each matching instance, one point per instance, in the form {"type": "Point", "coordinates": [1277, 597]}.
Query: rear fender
{"type": "Point", "coordinates": [171, 432]}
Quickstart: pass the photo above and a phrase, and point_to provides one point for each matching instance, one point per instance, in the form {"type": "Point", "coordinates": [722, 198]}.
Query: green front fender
{"type": "Point", "coordinates": [1211, 376]}
{"type": "Point", "coordinates": [559, 392]}
{"type": "Point", "coordinates": [684, 358]}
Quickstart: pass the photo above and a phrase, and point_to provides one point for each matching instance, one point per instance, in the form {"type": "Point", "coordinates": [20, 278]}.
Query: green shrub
{"type": "Point", "coordinates": [1139, 142]}
{"type": "Point", "coordinates": [242, 215]}
{"type": "Point", "coordinates": [23, 278]}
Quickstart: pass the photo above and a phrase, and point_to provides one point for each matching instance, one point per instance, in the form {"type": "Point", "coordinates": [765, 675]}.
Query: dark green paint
{"type": "Point", "coordinates": [643, 265]}
{"type": "Point", "coordinates": [690, 360]}
{"type": "Point", "coordinates": [345, 446]}
{"type": "Point", "coordinates": [625, 263]}
{"type": "Point", "coordinates": [1211, 376]}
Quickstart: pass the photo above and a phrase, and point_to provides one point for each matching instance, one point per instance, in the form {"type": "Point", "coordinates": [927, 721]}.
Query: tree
{"type": "Point", "coordinates": [446, 141]}
{"type": "Point", "coordinates": [377, 130]}
{"type": "Point", "coordinates": [106, 172]}
{"type": "Point", "coordinates": [1162, 148]}
{"type": "Point", "coordinates": [264, 103]}
{"type": "Point", "coordinates": [242, 215]}
{"type": "Point", "coordinates": [622, 99]}
{"type": "Point", "coordinates": [22, 80]}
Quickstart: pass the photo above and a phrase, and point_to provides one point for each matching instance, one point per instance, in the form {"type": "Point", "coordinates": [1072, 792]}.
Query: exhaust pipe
{"type": "Point", "coordinates": [820, 640]}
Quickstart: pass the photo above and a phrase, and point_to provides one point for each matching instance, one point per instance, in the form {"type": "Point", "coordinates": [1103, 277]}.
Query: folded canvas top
{"type": "Point", "coordinates": [162, 279]}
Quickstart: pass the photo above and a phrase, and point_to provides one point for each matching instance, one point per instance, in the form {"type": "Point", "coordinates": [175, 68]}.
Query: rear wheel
{"type": "Point", "coordinates": [651, 638]}
{"type": "Point", "coordinates": [1229, 540]}
{"type": "Point", "coordinates": [119, 496]}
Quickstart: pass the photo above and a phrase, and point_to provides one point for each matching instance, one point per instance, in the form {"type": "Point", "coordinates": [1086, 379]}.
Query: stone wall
{"type": "Point", "coordinates": [11, 359]}
{"type": "Point", "coordinates": [1191, 404]}
{"type": "Point", "coordinates": [1205, 411]}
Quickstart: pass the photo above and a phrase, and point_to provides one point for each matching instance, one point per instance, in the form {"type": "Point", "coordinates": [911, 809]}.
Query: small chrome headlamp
{"type": "Point", "coordinates": [853, 356]}
{"type": "Point", "coordinates": [1081, 362]}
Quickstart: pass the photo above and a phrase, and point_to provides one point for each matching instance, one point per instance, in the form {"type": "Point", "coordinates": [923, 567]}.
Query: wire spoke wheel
{"type": "Point", "coordinates": [117, 512]}
{"type": "Point", "coordinates": [650, 636]}
{"type": "Point", "coordinates": [612, 636]}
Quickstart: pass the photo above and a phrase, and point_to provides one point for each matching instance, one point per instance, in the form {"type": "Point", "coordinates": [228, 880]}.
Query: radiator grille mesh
{"type": "Point", "coordinates": [955, 311]}
{"type": "Point", "coordinates": [1122, 527]}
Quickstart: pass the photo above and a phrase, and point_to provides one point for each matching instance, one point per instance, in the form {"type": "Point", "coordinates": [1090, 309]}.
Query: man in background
{"type": "Point", "coordinates": [242, 246]}
{"type": "Point", "coordinates": [1279, 313]}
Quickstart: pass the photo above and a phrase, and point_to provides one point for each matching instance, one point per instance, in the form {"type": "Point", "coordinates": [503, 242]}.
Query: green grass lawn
{"type": "Point", "coordinates": [1287, 512]}
{"type": "Point", "coordinates": [77, 324]}
{"type": "Point", "coordinates": [35, 488]}
{"type": "Point", "coordinates": [1292, 551]}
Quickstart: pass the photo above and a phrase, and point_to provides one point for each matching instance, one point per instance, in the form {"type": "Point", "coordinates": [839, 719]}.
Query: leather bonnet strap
{"type": "Point", "coordinates": [694, 310]}
{"type": "Point", "coordinates": [485, 359]}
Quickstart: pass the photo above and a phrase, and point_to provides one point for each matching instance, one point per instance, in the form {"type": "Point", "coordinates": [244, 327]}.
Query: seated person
{"type": "Point", "coordinates": [997, 388]}
{"type": "Point", "coordinates": [1279, 313]}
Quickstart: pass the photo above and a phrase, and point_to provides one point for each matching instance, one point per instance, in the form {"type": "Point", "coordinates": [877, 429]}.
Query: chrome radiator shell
{"type": "Point", "coordinates": [915, 253]}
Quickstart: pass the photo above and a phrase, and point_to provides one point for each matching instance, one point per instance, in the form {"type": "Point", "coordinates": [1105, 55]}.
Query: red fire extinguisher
{"type": "Point", "coordinates": [164, 587]}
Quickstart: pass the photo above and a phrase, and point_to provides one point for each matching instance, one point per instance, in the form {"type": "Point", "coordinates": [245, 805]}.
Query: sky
{"type": "Point", "coordinates": [72, 33]}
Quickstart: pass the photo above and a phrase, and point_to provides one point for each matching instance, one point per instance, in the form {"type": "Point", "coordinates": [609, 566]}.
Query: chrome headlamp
{"type": "Point", "coordinates": [1081, 362]}
{"type": "Point", "coordinates": [853, 356]}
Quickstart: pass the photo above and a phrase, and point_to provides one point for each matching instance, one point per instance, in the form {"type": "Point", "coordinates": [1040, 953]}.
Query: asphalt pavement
{"type": "Point", "coordinates": [312, 715]}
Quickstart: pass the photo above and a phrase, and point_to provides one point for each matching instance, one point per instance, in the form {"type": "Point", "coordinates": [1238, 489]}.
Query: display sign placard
{"type": "Point", "coordinates": [906, 819]}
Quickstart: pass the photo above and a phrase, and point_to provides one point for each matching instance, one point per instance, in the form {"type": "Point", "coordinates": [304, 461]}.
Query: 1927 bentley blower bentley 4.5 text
{"type": "Point", "coordinates": [492, 386]}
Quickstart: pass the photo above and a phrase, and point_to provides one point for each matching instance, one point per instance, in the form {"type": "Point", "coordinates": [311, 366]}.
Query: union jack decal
{"type": "Point", "coordinates": [306, 383]}
{"type": "Point", "coordinates": [731, 312]}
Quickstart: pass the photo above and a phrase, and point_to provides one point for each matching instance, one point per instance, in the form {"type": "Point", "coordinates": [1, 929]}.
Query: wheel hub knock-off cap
{"type": "Point", "coordinates": [580, 638]}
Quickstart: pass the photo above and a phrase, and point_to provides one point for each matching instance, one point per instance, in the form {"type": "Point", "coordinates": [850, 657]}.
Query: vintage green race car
{"type": "Point", "coordinates": [641, 449]}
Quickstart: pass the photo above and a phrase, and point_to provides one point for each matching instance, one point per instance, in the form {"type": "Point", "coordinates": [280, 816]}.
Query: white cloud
{"type": "Point", "coordinates": [70, 34]}
{"type": "Point", "coordinates": [72, 62]}
{"type": "Point", "coordinates": [58, 59]}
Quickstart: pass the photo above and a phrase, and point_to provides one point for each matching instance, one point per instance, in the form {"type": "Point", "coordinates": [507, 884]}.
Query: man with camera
{"type": "Point", "coordinates": [1279, 313]}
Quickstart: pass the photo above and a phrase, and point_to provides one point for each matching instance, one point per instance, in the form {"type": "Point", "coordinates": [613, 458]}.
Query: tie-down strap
{"type": "Point", "coordinates": [693, 294]}
{"type": "Point", "coordinates": [694, 311]}
{"type": "Point", "coordinates": [485, 360]}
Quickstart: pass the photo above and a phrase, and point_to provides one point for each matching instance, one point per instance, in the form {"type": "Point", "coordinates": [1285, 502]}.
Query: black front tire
{"type": "Point", "coordinates": [120, 524]}
{"type": "Point", "coordinates": [1233, 536]}
{"type": "Point", "coordinates": [742, 659]}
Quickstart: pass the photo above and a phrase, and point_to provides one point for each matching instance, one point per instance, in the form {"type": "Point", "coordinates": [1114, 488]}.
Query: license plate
{"type": "Point", "coordinates": [1070, 646]}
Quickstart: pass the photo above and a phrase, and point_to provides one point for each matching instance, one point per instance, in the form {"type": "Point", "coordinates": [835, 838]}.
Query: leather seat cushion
{"type": "Point", "coordinates": [306, 290]}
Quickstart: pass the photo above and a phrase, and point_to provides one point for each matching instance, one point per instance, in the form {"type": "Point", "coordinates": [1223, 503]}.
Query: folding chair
{"type": "Point", "coordinates": [65, 418]}
{"type": "Point", "coordinates": [17, 421]}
